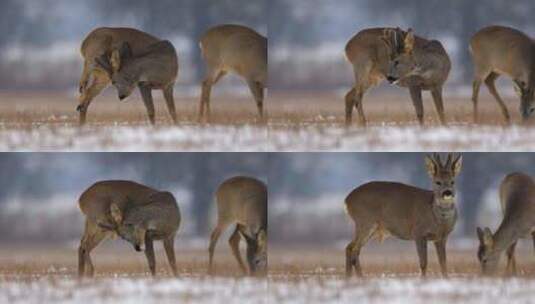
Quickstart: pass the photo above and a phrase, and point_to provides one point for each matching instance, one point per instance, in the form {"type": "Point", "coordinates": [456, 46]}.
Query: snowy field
{"type": "Point", "coordinates": [296, 122]}
{"type": "Point", "coordinates": [260, 138]}
{"type": "Point", "coordinates": [248, 290]}
{"type": "Point", "coordinates": [132, 290]}
{"type": "Point", "coordinates": [404, 290]}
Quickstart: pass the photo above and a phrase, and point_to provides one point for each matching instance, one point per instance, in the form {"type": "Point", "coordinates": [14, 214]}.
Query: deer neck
{"type": "Point", "coordinates": [504, 237]}
{"type": "Point", "coordinates": [446, 215]}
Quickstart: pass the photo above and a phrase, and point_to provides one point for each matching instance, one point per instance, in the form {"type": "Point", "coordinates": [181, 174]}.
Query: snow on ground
{"type": "Point", "coordinates": [411, 138]}
{"type": "Point", "coordinates": [130, 290]}
{"type": "Point", "coordinates": [272, 138]}
{"type": "Point", "coordinates": [404, 290]}
{"type": "Point", "coordinates": [248, 290]}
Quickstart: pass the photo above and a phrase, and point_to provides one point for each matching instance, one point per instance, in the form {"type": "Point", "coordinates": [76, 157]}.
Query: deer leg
{"type": "Point", "coordinates": [169, 247]}
{"type": "Point", "coordinates": [146, 94]}
{"type": "Point", "coordinates": [85, 77]}
{"type": "Point", "coordinates": [149, 253]}
{"type": "Point", "coordinates": [362, 235]}
{"type": "Point", "coordinates": [93, 235]}
{"type": "Point", "coordinates": [170, 101]}
{"type": "Point", "coordinates": [234, 242]}
{"type": "Point", "coordinates": [439, 104]}
{"type": "Point", "coordinates": [421, 247]}
{"type": "Point", "coordinates": [213, 241]}
{"type": "Point", "coordinates": [416, 96]}
{"type": "Point", "coordinates": [257, 90]}
{"type": "Point", "coordinates": [490, 82]}
{"type": "Point", "coordinates": [475, 98]}
{"type": "Point", "coordinates": [211, 79]}
{"type": "Point", "coordinates": [533, 238]}
{"type": "Point", "coordinates": [350, 104]}
{"type": "Point", "coordinates": [440, 246]}
{"type": "Point", "coordinates": [511, 261]}
{"type": "Point", "coordinates": [88, 95]}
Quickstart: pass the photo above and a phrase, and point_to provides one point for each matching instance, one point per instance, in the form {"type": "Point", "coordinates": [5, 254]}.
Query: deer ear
{"type": "Point", "coordinates": [119, 55]}
{"type": "Point", "coordinates": [103, 63]}
{"type": "Point", "coordinates": [457, 164]}
{"type": "Point", "coordinates": [480, 234]}
{"type": "Point", "coordinates": [487, 237]}
{"type": "Point", "coordinates": [116, 213]}
{"type": "Point", "coordinates": [430, 165]}
{"type": "Point", "coordinates": [262, 239]}
{"type": "Point", "coordinates": [409, 42]}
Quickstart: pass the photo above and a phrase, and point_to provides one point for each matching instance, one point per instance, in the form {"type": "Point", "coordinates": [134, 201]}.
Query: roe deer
{"type": "Point", "coordinates": [155, 68]}
{"type": "Point", "coordinates": [135, 212]}
{"type": "Point", "coordinates": [105, 41]}
{"type": "Point", "coordinates": [517, 200]}
{"type": "Point", "coordinates": [243, 201]}
{"type": "Point", "coordinates": [499, 50]}
{"type": "Point", "coordinates": [237, 49]}
{"type": "Point", "coordinates": [379, 209]}
{"type": "Point", "coordinates": [403, 59]}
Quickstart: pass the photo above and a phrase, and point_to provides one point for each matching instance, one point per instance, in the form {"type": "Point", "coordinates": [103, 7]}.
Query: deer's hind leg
{"type": "Point", "coordinates": [354, 97]}
{"type": "Point", "coordinates": [216, 233]}
{"type": "Point", "coordinates": [234, 242]}
{"type": "Point", "coordinates": [491, 85]}
{"type": "Point", "coordinates": [212, 77]}
{"type": "Point", "coordinates": [170, 101]}
{"type": "Point", "coordinates": [93, 235]}
{"type": "Point", "coordinates": [88, 93]}
{"type": "Point", "coordinates": [362, 235]}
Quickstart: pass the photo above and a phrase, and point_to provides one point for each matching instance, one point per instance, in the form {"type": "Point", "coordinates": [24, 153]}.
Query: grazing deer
{"type": "Point", "coordinates": [243, 201]}
{"type": "Point", "coordinates": [107, 41]}
{"type": "Point", "coordinates": [135, 212]}
{"type": "Point", "coordinates": [499, 50]}
{"type": "Point", "coordinates": [237, 49]}
{"type": "Point", "coordinates": [403, 59]}
{"type": "Point", "coordinates": [155, 68]}
{"type": "Point", "coordinates": [379, 209]}
{"type": "Point", "coordinates": [517, 200]}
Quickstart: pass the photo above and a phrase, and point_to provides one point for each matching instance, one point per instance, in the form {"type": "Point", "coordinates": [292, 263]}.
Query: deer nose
{"type": "Point", "coordinates": [122, 96]}
{"type": "Point", "coordinates": [391, 79]}
{"type": "Point", "coordinates": [447, 194]}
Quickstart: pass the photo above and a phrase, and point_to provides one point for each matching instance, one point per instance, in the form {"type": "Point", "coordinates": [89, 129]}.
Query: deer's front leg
{"type": "Point", "coordinates": [440, 246]}
{"type": "Point", "coordinates": [421, 247]}
{"type": "Point", "coordinates": [149, 252]}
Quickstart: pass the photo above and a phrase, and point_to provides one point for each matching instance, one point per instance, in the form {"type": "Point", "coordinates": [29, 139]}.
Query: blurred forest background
{"type": "Point", "coordinates": [39, 191]}
{"type": "Point", "coordinates": [40, 39]}
{"type": "Point", "coordinates": [307, 190]}
{"type": "Point", "coordinates": [307, 37]}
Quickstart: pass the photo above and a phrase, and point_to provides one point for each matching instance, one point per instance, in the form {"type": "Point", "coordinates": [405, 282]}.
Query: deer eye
{"type": "Point", "coordinates": [438, 183]}
{"type": "Point", "coordinates": [396, 62]}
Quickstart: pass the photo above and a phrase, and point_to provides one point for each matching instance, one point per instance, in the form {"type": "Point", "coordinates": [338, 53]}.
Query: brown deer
{"type": "Point", "coordinates": [379, 209]}
{"type": "Point", "coordinates": [517, 200]}
{"type": "Point", "coordinates": [499, 50]}
{"type": "Point", "coordinates": [403, 59]}
{"type": "Point", "coordinates": [243, 201]}
{"type": "Point", "coordinates": [155, 68]}
{"type": "Point", "coordinates": [236, 49]}
{"type": "Point", "coordinates": [137, 213]}
{"type": "Point", "coordinates": [107, 41]}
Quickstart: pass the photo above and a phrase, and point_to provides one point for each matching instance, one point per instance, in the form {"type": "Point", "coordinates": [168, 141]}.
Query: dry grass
{"type": "Point", "coordinates": [31, 109]}
{"type": "Point", "coordinates": [33, 262]}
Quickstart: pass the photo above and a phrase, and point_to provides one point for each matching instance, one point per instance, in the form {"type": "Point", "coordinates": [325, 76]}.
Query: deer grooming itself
{"type": "Point", "coordinates": [137, 213]}
{"type": "Point", "coordinates": [112, 43]}
{"type": "Point", "coordinates": [406, 212]}
{"type": "Point", "coordinates": [403, 59]}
